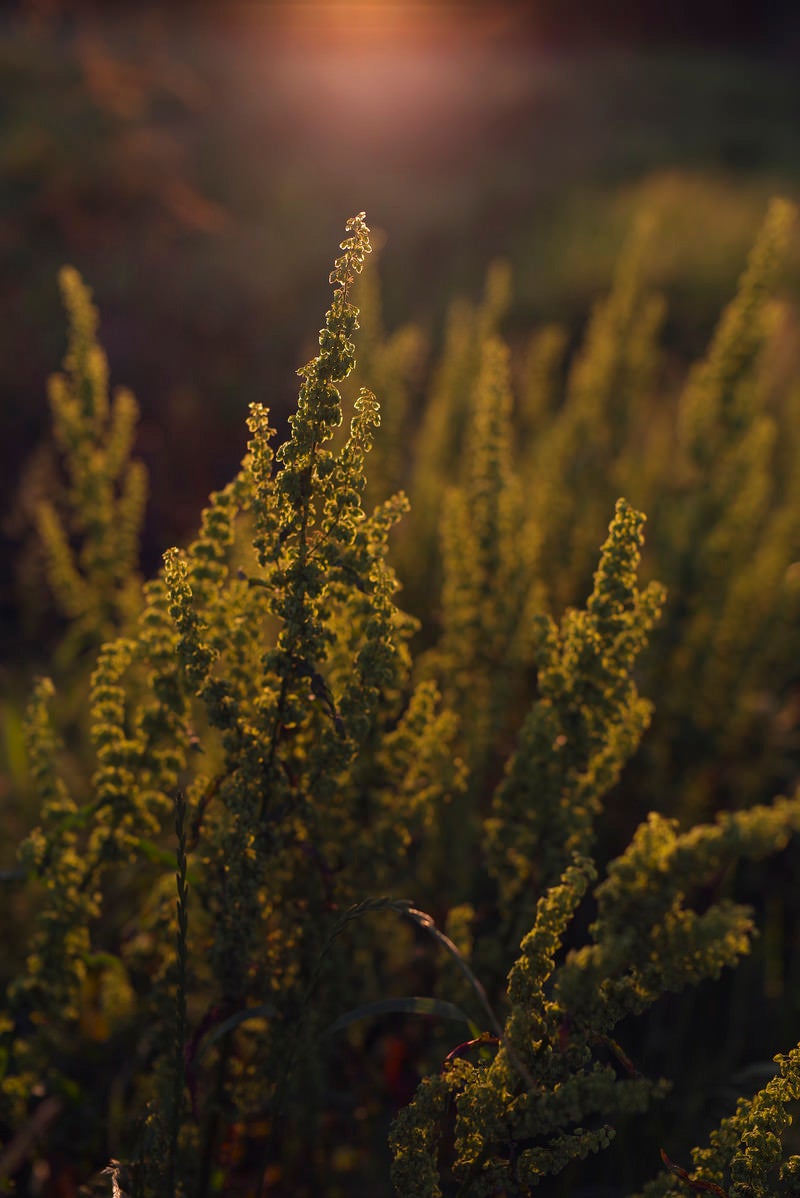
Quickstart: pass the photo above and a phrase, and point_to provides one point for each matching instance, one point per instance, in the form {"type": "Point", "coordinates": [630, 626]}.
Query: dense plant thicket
{"type": "Point", "coordinates": [291, 841]}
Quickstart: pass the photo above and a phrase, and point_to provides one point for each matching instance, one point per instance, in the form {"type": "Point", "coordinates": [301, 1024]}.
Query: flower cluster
{"type": "Point", "coordinates": [272, 772]}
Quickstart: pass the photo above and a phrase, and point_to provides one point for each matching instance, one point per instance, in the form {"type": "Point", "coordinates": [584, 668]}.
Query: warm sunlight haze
{"type": "Point", "coordinates": [399, 599]}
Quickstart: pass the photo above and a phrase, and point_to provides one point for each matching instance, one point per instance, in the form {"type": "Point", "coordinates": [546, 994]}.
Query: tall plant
{"type": "Point", "coordinates": [272, 776]}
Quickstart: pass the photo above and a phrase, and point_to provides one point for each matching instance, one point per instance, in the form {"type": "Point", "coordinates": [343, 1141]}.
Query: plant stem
{"type": "Point", "coordinates": [213, 1117]}
{"type": "Point", "coordinates": [180, 996]}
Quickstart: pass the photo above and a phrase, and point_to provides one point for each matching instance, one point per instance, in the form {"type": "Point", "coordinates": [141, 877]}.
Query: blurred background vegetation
{"type": "Point", "coordinates": [195, 162]}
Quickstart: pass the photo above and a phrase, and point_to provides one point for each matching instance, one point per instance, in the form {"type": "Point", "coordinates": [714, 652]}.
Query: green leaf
{"type": "Point", "coordinates": [402, 1006]}
{"type": "Point", "coordinates": [426, 922]}
{"type": "Point", "coordinates": [158, 856]}
{"type": "Point", "coordinates": [13, 875]}
{"type": "Point", "coordinates": [12, 728]}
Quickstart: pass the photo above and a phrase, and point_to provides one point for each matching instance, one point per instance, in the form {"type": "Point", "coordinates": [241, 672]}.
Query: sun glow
{"type": "Point", "coordinates": [383, 70]}
{"type": "Point", "coordinates": [371, 23]}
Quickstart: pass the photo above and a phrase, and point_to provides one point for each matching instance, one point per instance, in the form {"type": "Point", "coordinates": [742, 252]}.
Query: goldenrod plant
{"type": "Point", "coordinates": [266, 688]}
{"type": "Point", "coordinates": [727, 536]}
{"type": "Point", "coordinates": [91, 542]}
{"type": "Point", "coordinates": [316, 882]}
{"type": "Point", "coordinates": [440, 433]}
{"type": "Point", "coordinates": [590, 450]}
{"type": "Point", "coordinates": [713, 463]}
{"type": "Point", "coordinates": [488, 582]}
{"type": "Point", "coordinates": [390, 365]}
